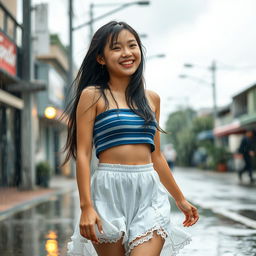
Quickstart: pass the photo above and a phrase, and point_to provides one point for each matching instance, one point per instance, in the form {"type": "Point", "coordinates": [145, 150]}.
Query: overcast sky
{"type": "Point", "coordinates": [194, 31]}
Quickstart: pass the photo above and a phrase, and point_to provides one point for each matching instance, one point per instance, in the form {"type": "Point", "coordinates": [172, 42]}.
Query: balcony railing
{"type": "Point", "coordinates": [9, 26]}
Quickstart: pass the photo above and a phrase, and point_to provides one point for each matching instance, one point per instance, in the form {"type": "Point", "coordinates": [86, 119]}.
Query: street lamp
{"type": "Point", "coordinates": [90, 22]}
{"type": "Point", "coordinates": [50, 112]}
{"type": "Point", "coordinates": [160, 55]}
{"type": "Point", "coordinates": [212, 69]}
{"type": "Point", "coordinates": [120, 7]}
{"type": "Point", "coordinates": [197, 79]}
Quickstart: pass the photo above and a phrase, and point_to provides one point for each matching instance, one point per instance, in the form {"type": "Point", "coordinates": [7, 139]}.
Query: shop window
{"type": "Point", "coordinates": [254, 100]}
{"type": "Point", "coordinates": [10, 28]}
{"type": "Point", "coordinates": [1, 19]}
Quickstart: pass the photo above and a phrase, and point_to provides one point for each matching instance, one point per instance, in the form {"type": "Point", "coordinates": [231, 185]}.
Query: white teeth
{"type": "Point", "coordinates": [127, 62]}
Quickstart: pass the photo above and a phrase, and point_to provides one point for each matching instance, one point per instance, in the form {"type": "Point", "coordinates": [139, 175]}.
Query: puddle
{"type": "Point", "coordinates": [44, 230]}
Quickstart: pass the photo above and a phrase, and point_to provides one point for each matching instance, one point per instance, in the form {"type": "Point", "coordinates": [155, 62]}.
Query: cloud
{"type": "Point", "coordinates": [223, 32]}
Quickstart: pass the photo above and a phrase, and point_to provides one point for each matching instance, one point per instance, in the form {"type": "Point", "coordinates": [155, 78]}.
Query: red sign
{"type": "Point", "coordinates": [8, 55]}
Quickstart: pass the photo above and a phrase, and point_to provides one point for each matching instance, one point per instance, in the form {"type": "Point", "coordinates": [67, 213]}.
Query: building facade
{"type": "Point", "coordinates": [239, 117]}
{"type": "Point", "coordinates": [50, 67]}
{"type": "Point", "coordinates": [27, 134]}
{"type": "Point", "coordinates": [11, 102]}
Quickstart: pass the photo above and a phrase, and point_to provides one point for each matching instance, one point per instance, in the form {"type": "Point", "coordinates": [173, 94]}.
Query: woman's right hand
{"type": "Point", "coordinates": [89, 218]}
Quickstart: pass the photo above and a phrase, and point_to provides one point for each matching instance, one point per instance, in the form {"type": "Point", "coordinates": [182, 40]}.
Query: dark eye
{"type": "Point", "coordinates": [116, 48]}
{"type": "Point", "coordinates": [133, 45]}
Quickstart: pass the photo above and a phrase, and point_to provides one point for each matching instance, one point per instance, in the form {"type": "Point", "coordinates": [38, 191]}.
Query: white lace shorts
{"type": "Point", "coordinates": [132, 203]}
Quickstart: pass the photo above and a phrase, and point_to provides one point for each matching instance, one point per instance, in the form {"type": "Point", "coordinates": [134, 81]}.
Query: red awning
{"type": "Point", "coordinates": [228, 129]}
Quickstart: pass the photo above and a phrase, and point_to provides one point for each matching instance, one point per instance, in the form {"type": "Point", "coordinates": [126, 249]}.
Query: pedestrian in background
{"type": "Point", "coordinates": [170, 155]}
{"type": "Point", "coordinates": [247, 150]}
{"type": "Point", "coordinates": [124, 205]}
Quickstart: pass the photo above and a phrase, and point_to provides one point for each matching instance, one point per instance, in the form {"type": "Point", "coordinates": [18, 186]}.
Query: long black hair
{"type": "Point", "coordinates": [91, 73]}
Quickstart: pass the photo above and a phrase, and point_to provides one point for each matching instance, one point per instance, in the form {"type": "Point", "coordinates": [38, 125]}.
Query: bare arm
{"type": "Point", "coordinates": [166, 177]}
{"type": "Point", "coordinates": [84, 123]}
{"type": "Point", "coordinates": [160, 164]}
{"type": "Point", "coordinates": [85, 116]}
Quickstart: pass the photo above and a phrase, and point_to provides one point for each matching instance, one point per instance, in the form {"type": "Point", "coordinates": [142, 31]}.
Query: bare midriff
{"type": "Point", "coordinates": [133, 154]}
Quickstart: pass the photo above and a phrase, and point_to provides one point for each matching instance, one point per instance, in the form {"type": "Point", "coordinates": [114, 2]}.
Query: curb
{"type": "Point", "coordinates": [228, 214]}
{"type": "Point", "coordinates": [236, 217]}
{"type": "Point", "coordinates": [32, 202]}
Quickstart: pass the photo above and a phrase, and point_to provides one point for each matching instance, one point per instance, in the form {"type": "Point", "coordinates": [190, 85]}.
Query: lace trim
{"type": "Point", "coordinates": [177, 248]}
{"type": "Point", "coordinates": [104, 240]}
{"type": "Point", "coordinates": [113, 240]}
{"type": "Point", "coordinates": [146, 237]}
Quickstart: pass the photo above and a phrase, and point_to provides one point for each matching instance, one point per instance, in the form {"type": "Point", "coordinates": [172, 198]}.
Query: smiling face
{"type": "Point", "coordinates": [123, 56]}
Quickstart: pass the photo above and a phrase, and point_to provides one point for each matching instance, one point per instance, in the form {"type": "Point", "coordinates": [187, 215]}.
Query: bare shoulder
{"type": "Point", "coordinates": [153, 98]}
{"type": "Point", "coordinates": [90, 92]}
{"type": "Point", "coordinates": [89, 96]}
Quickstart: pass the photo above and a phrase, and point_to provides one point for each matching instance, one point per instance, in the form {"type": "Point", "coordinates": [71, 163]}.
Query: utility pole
{"type": "Point", "coordinates": [91, 21]}
{"type": "Point", "coordinates": [70, 50]}
{"type": "Point", "coordinates": [213, 70]}
{"type": "Point", "coordinates": [27, 124]}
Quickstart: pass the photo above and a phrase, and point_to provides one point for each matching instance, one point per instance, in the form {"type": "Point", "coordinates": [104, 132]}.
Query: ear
{"type": "Point", "coordinates": [100, 60]}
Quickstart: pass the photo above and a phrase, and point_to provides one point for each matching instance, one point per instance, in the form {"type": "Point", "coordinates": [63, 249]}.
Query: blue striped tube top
{"type": "Point", "coordinates": [119, 127]}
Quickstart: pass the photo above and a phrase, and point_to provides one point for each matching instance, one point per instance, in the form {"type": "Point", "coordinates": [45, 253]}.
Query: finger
{"type": "Point", "coordinates": [193, 219]}
{"type": "Point", "coordinates": [195, 215]}
{"type": "Point", "coordinates": [188, 218]}
{"type": "Point", "coordinates": [83, 232]}
{"type": "Point", "coordinates": [93, 234]}
{"type": "Point", "coordinates": [99, 224]}
{"type": "Point", "coordinates": [88, 232]}
{"type": "Point", "coordinates": [189, 222]}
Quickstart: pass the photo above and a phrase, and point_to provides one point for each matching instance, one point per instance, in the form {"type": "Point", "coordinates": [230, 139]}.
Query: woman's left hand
{"type": "Point", "coordinates": [189, 211]}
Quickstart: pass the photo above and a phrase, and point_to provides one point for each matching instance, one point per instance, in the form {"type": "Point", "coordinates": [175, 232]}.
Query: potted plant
{"type": "Point", "coordinates": [43, 174]}
{"type": "Point", "coordinates": [219, 158]}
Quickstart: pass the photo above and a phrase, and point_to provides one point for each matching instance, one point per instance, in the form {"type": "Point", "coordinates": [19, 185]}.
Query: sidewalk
{"type": "Point", "coordinates": [222, 193]}
{"type": "Point", "coordinates": [13, 200]}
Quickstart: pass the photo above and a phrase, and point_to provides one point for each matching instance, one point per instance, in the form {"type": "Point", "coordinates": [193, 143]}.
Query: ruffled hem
{"type": "Point", "coordinates": [146, 237]}
{"type": "Point", "coordinates": [83, 247]}
{"type": "Point", "coordinates": [176, 248]}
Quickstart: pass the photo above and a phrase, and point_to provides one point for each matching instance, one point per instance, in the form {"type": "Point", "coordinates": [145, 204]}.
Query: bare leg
{"type": "Point", "coordinates": [110, 249]}
{"type": "Point", "coordinates": [152, 247]}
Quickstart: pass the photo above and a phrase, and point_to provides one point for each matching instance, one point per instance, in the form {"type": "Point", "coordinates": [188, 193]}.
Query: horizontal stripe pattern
{"type": "Point", "coordinates": [119, 127]}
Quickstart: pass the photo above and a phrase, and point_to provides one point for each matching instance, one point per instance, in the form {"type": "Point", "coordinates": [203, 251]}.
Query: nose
{"type": "Point", "coordinates": [126, 52]}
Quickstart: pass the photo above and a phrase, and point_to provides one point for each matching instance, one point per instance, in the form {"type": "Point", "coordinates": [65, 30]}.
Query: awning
{"type": "Point", "coordinates": [205, 135]}
{"type": "Point", "coordinates": [248, 119]}
{"type": "Point", "coordinates": [232, 128]}
{"type": "Point", "coordinates": [16, 84]}
{"type": "Point", "coordinates": [11, 100]}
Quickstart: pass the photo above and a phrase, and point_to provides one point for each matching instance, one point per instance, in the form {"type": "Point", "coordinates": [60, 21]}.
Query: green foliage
{"type": "Point", "coordinates": [43, 173]}
{"type": "Point", "coordinates": [178, 121]}
{"type": "Point", "coordinates": [217, 155]}
{"type": "Point", "coordinates": [182, 127]}
{"type": "Point", "coordinates": [202, 123]}
{"type": "Point", "coordinates": [186, 146]}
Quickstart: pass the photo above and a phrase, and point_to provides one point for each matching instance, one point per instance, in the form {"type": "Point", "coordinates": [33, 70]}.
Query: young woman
{"type": "Point", "coordinates": [124, 205]}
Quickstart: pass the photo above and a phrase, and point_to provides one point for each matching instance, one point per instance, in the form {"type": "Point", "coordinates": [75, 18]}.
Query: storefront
{"type": "Point", "coordinates": [11, 105]}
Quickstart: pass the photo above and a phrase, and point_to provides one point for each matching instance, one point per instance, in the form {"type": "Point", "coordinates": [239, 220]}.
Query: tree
{"type": "Point", "coordinates": [178, 126]}
{"type": "Point", "coordinates": [182, 127]}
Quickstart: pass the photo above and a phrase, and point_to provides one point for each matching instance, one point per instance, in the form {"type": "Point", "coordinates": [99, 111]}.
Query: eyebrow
{"type": "Point", "coordinates": [129, 41]}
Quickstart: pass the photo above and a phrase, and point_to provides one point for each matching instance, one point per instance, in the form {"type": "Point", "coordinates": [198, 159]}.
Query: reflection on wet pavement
{"type": "Point", "coordinates": [44, 230]}
{"type": "Point", "coordinates": [248, 213]}
{"type": "Point", "coordinates": [51, 244]}
{"type": "Point", "coordinates": [217, 236]}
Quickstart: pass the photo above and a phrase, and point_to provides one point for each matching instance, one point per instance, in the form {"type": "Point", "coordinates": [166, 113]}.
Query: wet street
{"type": "Point", "coordinates": [45, 229]}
